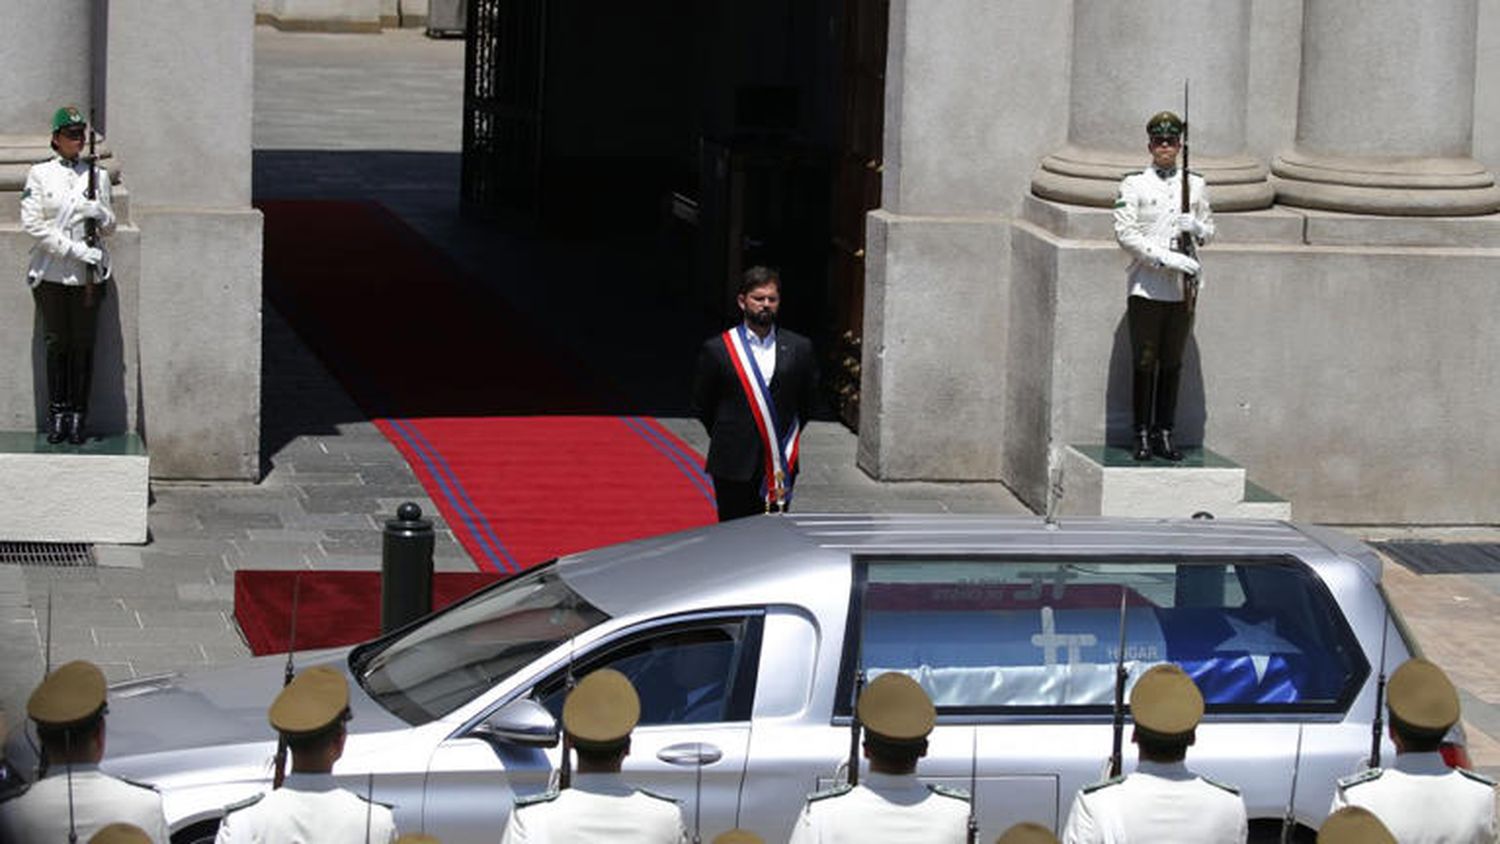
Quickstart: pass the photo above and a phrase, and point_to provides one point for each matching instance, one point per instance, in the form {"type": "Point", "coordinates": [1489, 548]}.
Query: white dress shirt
{"type": "Point", "coordinates": [764, 351]}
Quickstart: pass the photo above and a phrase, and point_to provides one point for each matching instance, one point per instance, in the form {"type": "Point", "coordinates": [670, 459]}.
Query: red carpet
{"type": "Point", "coordinates": [503, 428]}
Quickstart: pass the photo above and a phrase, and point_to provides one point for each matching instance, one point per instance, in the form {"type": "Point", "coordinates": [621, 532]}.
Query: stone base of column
{"type": "Point", "coordinates": [1398, 187]}
{"type": "Point", "coordinates": [1082, 176]}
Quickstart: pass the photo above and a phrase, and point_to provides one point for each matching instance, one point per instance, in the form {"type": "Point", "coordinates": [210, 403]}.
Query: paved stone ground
{"type": "Point", "coordinates": [377, 116]}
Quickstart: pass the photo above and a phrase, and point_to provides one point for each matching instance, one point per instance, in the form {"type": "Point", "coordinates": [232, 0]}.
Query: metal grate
{"type": "Point", "coordinates": [47, 554]}
{"type": "Point", "coordinates": [1426, 557]}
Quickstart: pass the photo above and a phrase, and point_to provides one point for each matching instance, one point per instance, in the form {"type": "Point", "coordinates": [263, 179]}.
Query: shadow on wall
{"type": "Point", "coordinates": [107, 396]}
{"type": "Point", "coordinates": [1192, 408]}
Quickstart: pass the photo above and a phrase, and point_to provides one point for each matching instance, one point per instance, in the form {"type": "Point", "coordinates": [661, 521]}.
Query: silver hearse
{"type": "Point", "coordinates": [744, 640]}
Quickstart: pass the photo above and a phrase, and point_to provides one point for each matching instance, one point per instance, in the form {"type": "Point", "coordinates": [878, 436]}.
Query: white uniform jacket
{"type": "Point", "coordinates": [308, 809]}
{"type": "Point", "coordinates": [1161, 803]}
{"type": "Point", "coordinates": [1423, 801]}
{"type": "Point", "coordinates": [41, 813]}
{"type": "Point", "coordinates": [889, 808]}
{"type": "Point", "coordinates": [49, 213]}
{"type": "Point", "coordinates": [1146, 213]}
{"type": "Point", "coordinates": [597, 808]}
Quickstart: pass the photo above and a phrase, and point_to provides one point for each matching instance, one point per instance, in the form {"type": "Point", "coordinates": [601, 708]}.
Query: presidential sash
{"type": "Point", "coordinates": [780, 453]}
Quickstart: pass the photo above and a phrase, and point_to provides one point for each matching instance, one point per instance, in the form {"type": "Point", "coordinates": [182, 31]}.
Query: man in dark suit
{"type": "Point", "coordinates": [753, 390]}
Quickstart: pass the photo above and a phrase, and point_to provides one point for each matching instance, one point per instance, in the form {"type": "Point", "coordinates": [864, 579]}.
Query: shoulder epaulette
{"type": "Point", "coordinates": [1133, 173]}
{"type": "Point", "coordinates": [1090, 789]}
{"type": "Point", "coordinates": [1362, 777]}
{"type": "Point", "coordinates": [949, 791]}
{"type": "Point", "coordinates": [533, 799]}
{"type": "Point", "coordinates": [1477, 777]}
{"type": "Point", "coordinates": [146, 786]}
{"type": "Point", "coordinates": [1216, 784]}
{"type": "Point", "coordinates": [836, 791]}
{"type": "Point", "coordinates": [243, 804]}
{"type": "Point", "coordinates": [391, 806]}
{"type": "Point", "coordinates": [666, 797]}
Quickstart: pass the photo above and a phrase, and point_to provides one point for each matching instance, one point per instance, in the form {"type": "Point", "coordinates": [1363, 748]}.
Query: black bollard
{"type": "Point", "coordinates": [405, 568]}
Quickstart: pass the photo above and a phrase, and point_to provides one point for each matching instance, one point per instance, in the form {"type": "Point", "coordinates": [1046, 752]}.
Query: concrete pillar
{"type": "Point", "coordinates": [1129, 62]}
{"type": "Point", "coordinates": [1385, 118]}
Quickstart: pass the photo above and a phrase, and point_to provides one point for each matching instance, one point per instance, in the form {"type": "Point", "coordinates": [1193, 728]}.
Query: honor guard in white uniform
{"type": "Point", "coordinates": [890, 804]}
{"type": "Point", "coordinates": [69, 710]}
{"type": "Point", "coordinates": [1027, 833]}
{"type": "Point", "coordinates": [1353, 825]}
{"type": "Point", "coordinates": [1162, 802]}
{"type": "Point", "coordinates": [121, 833]}
{"type": "Point", "coordinates": [1420, 799]}
{"type": "Point", "coordinates": [310, 713]}
{"type": "Point", "coordinates": [598, 716]}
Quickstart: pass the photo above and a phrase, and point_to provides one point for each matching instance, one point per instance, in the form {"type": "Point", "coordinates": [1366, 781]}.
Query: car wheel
{"type": "Point", "coordinates": [202, 832]}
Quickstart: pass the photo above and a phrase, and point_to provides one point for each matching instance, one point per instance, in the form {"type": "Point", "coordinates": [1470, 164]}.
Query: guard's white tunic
{"type": "Point", "coordinates": [1161, 803]}
{"type": "Point", "coordinates": [1146, 212]}
{"type": "Point", "coordinates": [889, 808]}
{"type": "Point", "coordinates": [1423, 801]}
{"type": "Point", "coordinates": [41, 814]}
{"type": "Point", "coordinates": [49, 205]}
{"type": "Point", "coordinates": [597, 808]}
{"type": "Point", "coordinates": [309, 809]}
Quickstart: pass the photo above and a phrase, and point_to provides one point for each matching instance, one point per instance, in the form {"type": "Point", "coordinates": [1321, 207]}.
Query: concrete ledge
{"type": "Point", "coordinates": [96, 492]}
{"type": "Point", "coordinates": [1104, 481]}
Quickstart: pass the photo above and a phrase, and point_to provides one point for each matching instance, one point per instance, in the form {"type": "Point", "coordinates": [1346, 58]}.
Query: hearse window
{"type": "Point", "coordinates": [1029, 635]}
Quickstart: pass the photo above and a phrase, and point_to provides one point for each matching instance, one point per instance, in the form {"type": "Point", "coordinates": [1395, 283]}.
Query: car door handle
{"type": "Point", "coordinates": [690, 753]}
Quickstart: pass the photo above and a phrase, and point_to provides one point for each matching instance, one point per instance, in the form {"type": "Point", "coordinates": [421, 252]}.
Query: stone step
{"type": "Point", "coordinates": [1108, 481]}
{"type": "Point", "coordinates": [95, 492]}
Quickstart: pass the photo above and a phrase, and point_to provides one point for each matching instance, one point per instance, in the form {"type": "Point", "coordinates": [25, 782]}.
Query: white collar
{"type": "Point", "coordinates": [303, 781]}
{"type": "Point", "coordinates": [1165, 770]}
{"type": "Point", "coordinates": [755, 339]}
{"type": "Point", "coordinates": [1421, 763]}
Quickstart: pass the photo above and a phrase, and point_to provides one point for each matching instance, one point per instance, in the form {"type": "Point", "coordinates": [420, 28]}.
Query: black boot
{"type": "Point", "coordinates": [1142, 450]}
{"type": "Point", "coordinates": [57, 424]}
{"type": "Point", "coordinates": [76, 434]}
{"type": "Point", "coordinates": [1161, 445]}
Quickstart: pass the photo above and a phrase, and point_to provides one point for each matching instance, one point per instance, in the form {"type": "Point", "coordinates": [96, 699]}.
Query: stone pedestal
{"type": "Point", "coordinates": [95, 492]}
{"type": "Point", "coordinates": [1100, 480]}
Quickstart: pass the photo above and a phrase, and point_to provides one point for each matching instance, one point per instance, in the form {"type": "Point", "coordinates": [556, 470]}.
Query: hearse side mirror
{"type": "Point", "coordinates": [521, 722]}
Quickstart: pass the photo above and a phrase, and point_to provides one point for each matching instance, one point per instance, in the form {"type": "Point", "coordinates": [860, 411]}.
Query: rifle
{"type": "Point", "coordinates": [1289, 819]}
{"type": "Point", "coordinates": [278, 775]}
{"type": "Point", "coordinates": [1377, 726]}
{"type": "Point", "coordinates": [91, 225]}
{"type": "Point", "coordinates": [854, 727]}
{"type": "Point", "coordinates": [1186, 244]}
{"type": "Point", "coordinates": [1117, 748]}
{"type": "Point", "coordinates": [564, 765]}
{"type": "Point", "coordinates": [973, 832]}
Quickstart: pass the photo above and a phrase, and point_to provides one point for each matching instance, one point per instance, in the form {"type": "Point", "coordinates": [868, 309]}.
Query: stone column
{"type": "Point", "coordinates": [1385, 116]}
{"type": "Point", "coordinates": [1129, 62]}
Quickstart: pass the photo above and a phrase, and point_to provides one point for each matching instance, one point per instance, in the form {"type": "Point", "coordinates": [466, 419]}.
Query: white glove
{"type": "Point", "coordinates": [1189, 224]}
{"type": "Point", "coordinates": [1180, 262]}
{"type": "Point", "coordinates": [86, 253]}
{"type": "Point", "coordinates": [90, 209]}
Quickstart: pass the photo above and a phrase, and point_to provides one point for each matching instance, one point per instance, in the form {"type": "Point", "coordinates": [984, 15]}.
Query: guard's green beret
{"type": "Point", "coordinates": [1027, 833]}
{"type": "Point", "coordinates": [894, 708]}
{"type": "Point", "coordinates": [1166, 701]}
{"type": "Point", "coordinates": [121, 833]}
{"type": "Point", "coordinates": [1164, 123]}
{"type": "Point", "coordinates": [1421, 696]}
{"type": "Point", "coordinates": [311, 703]}
{"type": "Point", "coordinates": [67, 116]}
{"type": "Point", "coordinates": [70, 695]}
{"type": "Point", "coordinates": [1354, 825]}
{"type": "Point", "coordinates": [602, 710]}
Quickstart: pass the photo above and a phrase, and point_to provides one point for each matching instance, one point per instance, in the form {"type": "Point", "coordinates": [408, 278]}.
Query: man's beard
{"type": "Point", "coordinates": [761, 319]}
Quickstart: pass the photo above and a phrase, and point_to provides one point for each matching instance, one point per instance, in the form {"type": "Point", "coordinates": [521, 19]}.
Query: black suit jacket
{"type": "Point", "coordinates": [734, 449]}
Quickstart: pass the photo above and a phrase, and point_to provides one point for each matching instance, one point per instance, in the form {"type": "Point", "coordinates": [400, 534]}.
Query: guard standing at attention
{"type": "Point", "coordinates": [1420, 799]}
{"type": "Point", "coordinates": [890, 805]}
{"type": "Point", "coordinates": [310, 712]}
{"type": "Point", "coordinates": [1148, 219]}
{"type": "Point", "coordinates": [69, 708]}
{"type": "Point", "coordinates": [67, 274]}
{"type": "Point", "coordinates": [1353, 825]}
{"type": "Point", "coordinates": [1162, 801]}
{"type": "Point", "coordinates": [598, 715]}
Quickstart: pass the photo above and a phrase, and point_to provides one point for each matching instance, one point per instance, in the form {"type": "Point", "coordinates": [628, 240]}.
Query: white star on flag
{"type": "Point", "coordinates": [1260, 641]}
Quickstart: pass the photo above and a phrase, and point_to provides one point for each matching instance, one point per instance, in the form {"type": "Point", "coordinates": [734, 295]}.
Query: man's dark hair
{"type": "Point", "coordinates": [313, 742]}
{"type": "Point", "coordinates": [600, 755]}
{"type": "Point", "coordinates": [1415, 740]}
{"type": "Point", "coordinates": [73, 735]}
{"type": "Point", "coordinates": [759, 276]}
{"type": "Point", "coordinates": [901, 755]}
{"type": "Point", "coordinates": [1159, 748]}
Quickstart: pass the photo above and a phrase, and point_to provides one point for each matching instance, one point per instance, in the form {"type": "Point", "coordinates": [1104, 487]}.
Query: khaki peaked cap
{"type": "Point", "coordinates": [895, 708]}
{"type": "Point", "coordinates": [602, 709]}
{"type": "Point", "coordinates": [1354, 825]}
{"type": "Point", "coordinates": [1420, 695]}
{"type": "Point", "coordinates": [121, 833]}
{"type": "Point", "coordinates": [1027, 833]}
{"type": "Point", "coordinates": [73, 693]}
{"type": "Point", "coordinates": [738, 836]}
{"type": "Point", "coordinates": [312, 702]}
{"type": "Point", "coordinates": [1166, 701]}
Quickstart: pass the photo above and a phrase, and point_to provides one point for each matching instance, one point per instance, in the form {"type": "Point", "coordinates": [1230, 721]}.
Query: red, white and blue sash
{"type": "Point", "coordinates": [780, 453]}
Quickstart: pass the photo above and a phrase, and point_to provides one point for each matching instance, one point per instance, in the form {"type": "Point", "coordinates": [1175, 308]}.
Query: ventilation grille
{"type": "Point", "coordinates": [47, 554]}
